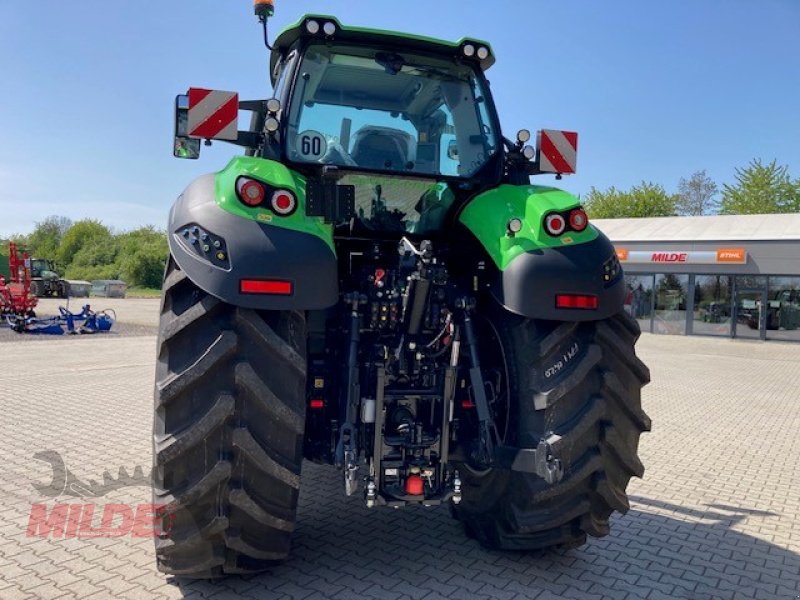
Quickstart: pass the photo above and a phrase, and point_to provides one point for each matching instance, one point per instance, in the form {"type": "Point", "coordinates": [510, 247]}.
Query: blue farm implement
{"type": "Point", "coordinates": [86, 321]}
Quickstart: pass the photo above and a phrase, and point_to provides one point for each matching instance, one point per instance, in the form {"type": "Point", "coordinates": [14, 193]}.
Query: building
{"type": "Point", "coordinates": [734, 276]}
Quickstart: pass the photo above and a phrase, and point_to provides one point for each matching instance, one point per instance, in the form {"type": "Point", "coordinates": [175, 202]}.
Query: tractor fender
{"type": "Point", "coordinates": [533, 267]}
{"type": "Point", "coordinates": [530, 283]}
{"type": "Point", "coordinates": [218, 250]}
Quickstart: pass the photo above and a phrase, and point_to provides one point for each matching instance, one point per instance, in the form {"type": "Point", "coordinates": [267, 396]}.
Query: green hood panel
{"type": "Point", "coordinates": [277, 175]}
{"type": "Point", "coordinates": [488, 214]}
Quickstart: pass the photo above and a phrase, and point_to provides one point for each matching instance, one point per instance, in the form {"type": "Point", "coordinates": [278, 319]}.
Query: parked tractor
{"type": "Point", "coordinates": [376, 285]}
{"type": "Point", "coordinates": [783, 312]}
{"type": "Point", "coordinates": [45, 281]}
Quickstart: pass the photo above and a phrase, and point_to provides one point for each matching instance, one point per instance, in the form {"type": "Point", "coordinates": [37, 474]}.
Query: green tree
{"type": "Point", "coordinates": [96, 259]}
{"type": "Point", "coordinates": [83, 233]}
{"type": "Point", "coordinates": [21, 240]}
{"type": "Point", "coordinates": [46, 237]}
{"type": "Point", "coordinates": [761, 189]}
{"type": "Point", "coordinates": [142, 256]}
{"type": "Point", "coordinates": [644, 200]}
{"type": "Point", "coordinates": [697, 195]}
{"type": "Point", "coordinates": [145, 268]}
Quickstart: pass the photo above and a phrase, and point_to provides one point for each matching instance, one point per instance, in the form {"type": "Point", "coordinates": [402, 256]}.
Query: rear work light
{"type": "Point", "coordinates": [269, 287]}
{"type": "Point", "coordinates": [555, 224]}
{"type": "Point", "coordinates": [579, 301]}
{"type": "Point", "coordinates": [578, 219]}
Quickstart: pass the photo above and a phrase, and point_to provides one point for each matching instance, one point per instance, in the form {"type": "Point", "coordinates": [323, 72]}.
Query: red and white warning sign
{"type": "Point", "coordinates": [558, 151]}
{"type": "Point", "coordinates": [213, 114]}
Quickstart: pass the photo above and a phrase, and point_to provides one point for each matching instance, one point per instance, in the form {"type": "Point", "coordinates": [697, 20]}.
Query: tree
{"type": "Point", "coordinates": [696, 195]}
{"type": "Point", "coordinates": [19, 239]}
{"type": "Point", "coordinates": [96, 259]}
{"type": "Point", "coordinates": [142, 256]}
{"type": "Point", "coordinates": [145, 268]}
{"type": "Point", "coordinates": [43, 242]}
{"type": "Point", "coordinates": [761, 189]}
{"type": "Point", "coordinates": [82, 233]}
{"type": "Point", "coordinates": [643, 200]}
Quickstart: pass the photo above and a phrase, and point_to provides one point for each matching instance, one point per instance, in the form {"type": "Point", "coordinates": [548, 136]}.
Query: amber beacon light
{"type": "Point", "coordinates": [263, 8]}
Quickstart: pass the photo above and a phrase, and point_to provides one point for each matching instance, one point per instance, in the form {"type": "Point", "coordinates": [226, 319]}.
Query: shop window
{"type": "Point", "coordinates": [783, 309]}
{"type": "Point", "coordinates": [639, 299]}
{"type": "Point", "coordinates": [749, 306]}
{"type": "Point", "coordinates": [712, 305]}
{"type": "Point", "coordinates": [670, 310]}
{"type": "Point", "coordinates": [751, 282]}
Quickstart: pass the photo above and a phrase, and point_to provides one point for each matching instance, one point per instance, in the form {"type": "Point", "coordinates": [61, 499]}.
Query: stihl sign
{"type": "Point", "coordinates": [694, 257]}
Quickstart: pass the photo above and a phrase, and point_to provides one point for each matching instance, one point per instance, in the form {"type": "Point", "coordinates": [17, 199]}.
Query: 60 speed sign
{"type": "Point", "coordinates": [311, 145]}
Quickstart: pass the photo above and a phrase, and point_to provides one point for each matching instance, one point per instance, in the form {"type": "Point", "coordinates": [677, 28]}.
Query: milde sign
{"type": "Point", "coordinates": [736, 256]}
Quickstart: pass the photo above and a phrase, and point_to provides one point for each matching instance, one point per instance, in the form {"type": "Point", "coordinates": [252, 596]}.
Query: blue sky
{"type": "Point", "coordinates": [656, 90]}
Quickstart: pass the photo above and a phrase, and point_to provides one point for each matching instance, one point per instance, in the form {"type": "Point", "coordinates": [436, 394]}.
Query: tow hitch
{"type": "Point", "coordinates": [542, 460]}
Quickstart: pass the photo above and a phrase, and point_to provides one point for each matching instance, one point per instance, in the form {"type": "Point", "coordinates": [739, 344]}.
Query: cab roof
{"type": "Point", "coordinates": [374, 37]}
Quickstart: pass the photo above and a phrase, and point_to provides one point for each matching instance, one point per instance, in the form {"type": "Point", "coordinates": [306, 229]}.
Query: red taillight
{"type": "Point", "coordinates": [555, 224]}
{"type": "Point", "coordinates": [251, 192]}
{"type": "Point", "coordinates": [467, 404]}
{"type": "Point", "coordinates": [578, 219]}
{"type": "Point", "coordinates": [283, 203]}
{"type": "Point", "coordinates": [316, 404]}
{"type": "Point", "coordinates": [275, 287]}
{"type": "Point", "coordinates": [415, 486]}
{"type": "Point", "coordinates": [579, 301]}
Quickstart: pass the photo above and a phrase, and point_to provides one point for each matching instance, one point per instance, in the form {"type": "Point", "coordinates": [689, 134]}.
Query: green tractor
{"type": "Point", "coordinates": [376, 285]}
{"type": "Point", "coordinates": [45, 281]}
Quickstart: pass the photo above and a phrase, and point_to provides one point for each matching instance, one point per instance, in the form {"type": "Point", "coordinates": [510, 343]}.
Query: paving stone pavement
{"type": "Point", "coordinates": [716, 516]}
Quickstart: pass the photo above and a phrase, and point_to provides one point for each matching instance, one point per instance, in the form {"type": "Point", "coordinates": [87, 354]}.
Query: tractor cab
{"type": "Point", "coordinates": [43, 268]}
{"type": "Point", "coordinates": [370, 102]}
{"type": "Point", "coordinates": [406, 122]}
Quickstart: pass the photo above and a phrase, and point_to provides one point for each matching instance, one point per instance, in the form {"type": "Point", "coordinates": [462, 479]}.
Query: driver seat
{"type": "Point", "coordinates": [377, 147]}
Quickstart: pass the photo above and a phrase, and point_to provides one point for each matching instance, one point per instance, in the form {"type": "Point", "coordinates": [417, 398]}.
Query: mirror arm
{"type": "Point", "coordinates": [249, 139]}
{"type": "Point", "coordinates": [246, 139]}
{"type": "Point", "coordinates": [532, 168]}
{"type": "Point", "coordinates": [253, 105]}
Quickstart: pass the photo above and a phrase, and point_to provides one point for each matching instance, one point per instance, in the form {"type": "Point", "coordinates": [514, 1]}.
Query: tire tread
{"type": "Point", "coordinates": [228, 489]}
{"type": "Point", "coordinates": [595, 409]}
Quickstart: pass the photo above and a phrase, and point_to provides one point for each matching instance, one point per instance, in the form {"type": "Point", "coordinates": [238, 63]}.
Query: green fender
{"type": "Point", "coordinates": [249, 256]}
{"type": "Point", "coordinates": [276, 175]}
{"type": "Point", "coordinates": [535, 267]}
{"type": "Point", "coordinates": [488, 214]}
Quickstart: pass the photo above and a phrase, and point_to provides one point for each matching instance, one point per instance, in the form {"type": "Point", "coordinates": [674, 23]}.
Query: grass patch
{"type": "Point", "coordinates": [143, 292]}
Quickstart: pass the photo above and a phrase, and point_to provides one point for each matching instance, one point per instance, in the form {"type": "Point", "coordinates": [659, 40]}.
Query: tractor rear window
{"type": "Point", "coordinates": [366, 109]}
{"type": "Point", "coordinates": [401, 203]}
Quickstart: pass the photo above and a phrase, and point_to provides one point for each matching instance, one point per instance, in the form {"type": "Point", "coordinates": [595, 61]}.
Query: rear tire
{"type": "Point", "coordinates": [592, 400]}
{"type": "Point", "coordinates": [228, 432]}
{"type": "Point", "coordinates": [38, 289]}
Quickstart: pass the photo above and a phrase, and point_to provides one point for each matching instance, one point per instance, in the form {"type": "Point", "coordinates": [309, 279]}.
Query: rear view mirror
{"type": "Point", "coordinates": [184, 146]}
